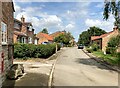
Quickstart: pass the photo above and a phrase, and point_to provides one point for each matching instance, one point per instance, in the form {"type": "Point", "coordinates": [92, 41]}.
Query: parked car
{"type": "Point", "coordinates": [80, 46]}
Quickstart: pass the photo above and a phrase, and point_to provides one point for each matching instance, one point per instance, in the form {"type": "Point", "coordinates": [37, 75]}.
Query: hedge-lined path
{"type": "Point", "coordinates": [75, 68]}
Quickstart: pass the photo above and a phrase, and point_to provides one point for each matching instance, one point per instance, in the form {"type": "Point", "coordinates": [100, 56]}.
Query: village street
{"type": "Point", "coordinates": [75, 68]}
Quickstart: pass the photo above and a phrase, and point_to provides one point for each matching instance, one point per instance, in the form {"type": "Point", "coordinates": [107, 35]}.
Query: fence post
{"type": "Point", "coordinates": [56, 48]}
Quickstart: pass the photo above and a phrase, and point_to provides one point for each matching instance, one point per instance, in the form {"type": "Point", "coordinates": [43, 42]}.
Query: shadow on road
{"type": "Point", "coordinates": [29, 80]}
{"type": "Point", "coordinates": [91, 62]}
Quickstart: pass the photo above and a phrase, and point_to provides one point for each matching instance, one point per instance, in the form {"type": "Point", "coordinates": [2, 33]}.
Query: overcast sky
{"type": "Point", "coordinates": [75, 17]}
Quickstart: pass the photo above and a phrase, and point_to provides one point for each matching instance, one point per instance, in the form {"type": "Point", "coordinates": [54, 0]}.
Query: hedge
{"type": "Point", "coordinates": [35, 51]}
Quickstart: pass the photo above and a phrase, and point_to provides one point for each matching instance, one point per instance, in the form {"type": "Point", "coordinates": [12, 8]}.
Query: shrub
{"type": "Point", "coordinates": [58, 47]}
{"type": "Point", "coordinates": [95, 47]}
{"type": "Point", "coordinates": [89, 50]}
{"type": "Point", "coordinates": [111, 50]}
{"type": "Point", "coordinates": [112, 45]}
{"type": "Point", "coordinates": [36, 51]}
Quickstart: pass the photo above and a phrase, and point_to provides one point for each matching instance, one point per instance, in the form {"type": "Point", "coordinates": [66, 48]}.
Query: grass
{"type": "Point", "coordinates": [108, 57]}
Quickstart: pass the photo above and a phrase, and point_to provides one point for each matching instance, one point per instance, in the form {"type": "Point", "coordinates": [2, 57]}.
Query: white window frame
{"type": "Point", "coordinates": [4, 33]}
{"type": "Point", "coordinates": [30, 28]}
{"type": "Point", "coordinates": [30, 40]}
{"type": "Point", "coordinates": [24, 40]}
{"type": "Point", "coordinates": [36, 41]}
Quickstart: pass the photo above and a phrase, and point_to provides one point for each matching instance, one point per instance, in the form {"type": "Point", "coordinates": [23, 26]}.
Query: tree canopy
{"type": "Point", "coordinates": [113, 7]}
{"type": "Point", "coordinates": [64, 38]}
{"type": "Point", "coordinates": [45, 31]}
{"type": "Point", "coordinates": [85, 36]}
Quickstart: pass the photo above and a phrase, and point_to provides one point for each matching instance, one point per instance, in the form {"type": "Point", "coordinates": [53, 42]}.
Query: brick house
{"type": "Point", "coordinates": [6, 37]}
{"type": "Point", "coordinates": [44, 38]}
{"type": "Point", "coordinates": [24, 32]}
{"type": "Point", "coordinates": [103, 40]}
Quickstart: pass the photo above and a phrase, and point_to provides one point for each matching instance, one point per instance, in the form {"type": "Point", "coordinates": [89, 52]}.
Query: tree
{"type": "Point", "coordinates": [85, 37]}
{"type": "Point", "coordinates": [114, 41]}
{"type": "Point", "coordinates": [45, 31]}
{"type": "Point", "coordinates": [113, 7]}
{"type": "Point", "coordinates": [113, 44]}
{"type": "Point", "coordinates": [64, 38]}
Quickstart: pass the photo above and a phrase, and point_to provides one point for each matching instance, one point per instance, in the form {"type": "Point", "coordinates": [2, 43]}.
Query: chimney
{"type": "Point", "coordinates": [22, 19]}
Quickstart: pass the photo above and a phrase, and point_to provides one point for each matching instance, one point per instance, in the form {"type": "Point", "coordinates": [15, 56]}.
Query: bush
{"type": "Point", "coordinates": [89, 50]}
{"type": "Point", "coordinates": [111, 50]}
{"type": "Point", "coordinates": [95, 47]}
{"type": "Point", "coordinates": [35, 51]}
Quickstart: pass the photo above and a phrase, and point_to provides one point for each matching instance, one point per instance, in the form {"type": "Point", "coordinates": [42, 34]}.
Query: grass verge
{"type": "Point", "coordinates": [108, 57]}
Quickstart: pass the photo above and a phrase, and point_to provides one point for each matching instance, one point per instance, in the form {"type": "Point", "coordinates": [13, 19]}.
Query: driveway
{"type": "Point", "coordinates": [75, 68]}
{"type": "Point", "coordinates": [36, 74]}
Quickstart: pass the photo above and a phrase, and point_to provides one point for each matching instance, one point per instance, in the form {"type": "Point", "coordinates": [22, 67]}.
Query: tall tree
{"type": "Point", "coordinates": [45, 31]}
{"type": "Point", "coordinates": [64, 38]}
{"type": "Point", "coordinates": [112, 7]}
{"type": "Point", "coordinates": [85, 37]}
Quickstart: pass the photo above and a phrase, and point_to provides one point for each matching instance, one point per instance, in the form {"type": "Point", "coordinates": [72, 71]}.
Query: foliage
{"type": "Point", "coordinates": [64, 39]}
{"type": "Point", "coordinates": [112, 45]}
{"type": "Point", "coordinates": [95, 47]}
{"type": "Point", "coordinates": [112, 6]}
{"type": "Point", "coordinates": [111, 50]}
{"type": "Point", "coordinates": [89, 50]}
{"type": "Point", "coordinates": [37, 51]}
{"type": "Point", "coordinates": [114, 41]}
{"type": "Point", "coordinates": [107, 58]}
{"type": "Point", "coordinates": [85, 37]}
{"type": "Point", "coordinates": [45, 31]}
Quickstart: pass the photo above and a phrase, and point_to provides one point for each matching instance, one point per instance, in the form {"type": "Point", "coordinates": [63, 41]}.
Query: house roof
{"type": "Point", "coordinates": [48, 37]}
{"type": "Point", "coordinates": [56, 34]}
{"type": "Point", "coordinates": [17, 20]}
{"type": "Point", "coordinates": [20, 33]}
{"type": "Point", "coordinates": [101, 36]}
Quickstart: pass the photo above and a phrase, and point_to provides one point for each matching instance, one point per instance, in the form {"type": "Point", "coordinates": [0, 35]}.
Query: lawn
{"type": "Point", "coordinates": [108, 57]}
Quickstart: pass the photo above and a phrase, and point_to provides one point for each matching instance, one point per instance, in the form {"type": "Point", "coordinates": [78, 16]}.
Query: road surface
{"type": "Point", "coordinates": [75, 68]}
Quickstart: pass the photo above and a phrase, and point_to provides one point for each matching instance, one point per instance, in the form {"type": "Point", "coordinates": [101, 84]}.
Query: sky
{"type": "Point", "coordinates": [74, 17]}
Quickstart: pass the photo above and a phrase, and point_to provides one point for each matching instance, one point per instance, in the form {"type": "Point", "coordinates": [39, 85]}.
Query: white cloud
{"type": "Point", "coordinates": [41, 19]}
{"type": "Point", "coordinates": [69, 27]}
{"type": "Point", "coordinates": [106, 25]}
{"type": "Point", "coordinates": [100, 5]}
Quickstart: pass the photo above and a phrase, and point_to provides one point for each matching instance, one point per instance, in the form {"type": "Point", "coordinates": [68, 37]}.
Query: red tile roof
{"type": "Point", "coordinates": [101, 36]}
{"type": "Point", "coordinates": [56, 34]}
{"type": "Point", "coordinates": [44, 35]}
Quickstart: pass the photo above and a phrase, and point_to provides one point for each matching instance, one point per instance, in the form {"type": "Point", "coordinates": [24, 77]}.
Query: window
{"type": "Point", "coordinates": [30, 28]}
{"type": "Point", "coordinates": [30, 40]}
{"type": "Point", "coordinates": [36, 41]}
{"type": "Point", "coordinates": [23, 40]}
{"type": "Point", "coordinates": [4, 33]}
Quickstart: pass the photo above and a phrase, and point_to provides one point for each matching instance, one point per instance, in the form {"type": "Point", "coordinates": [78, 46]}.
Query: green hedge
{"type": "Point", "coordinates": [110, 50]}
{"type": "Point", "coordinates": [95, 47]}
{"type": "Point", "coordinates": [35, 51]}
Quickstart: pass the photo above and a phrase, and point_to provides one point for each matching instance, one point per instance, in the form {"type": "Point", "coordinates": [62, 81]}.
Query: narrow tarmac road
{"type": "Point", "coordinates": [75, 68]}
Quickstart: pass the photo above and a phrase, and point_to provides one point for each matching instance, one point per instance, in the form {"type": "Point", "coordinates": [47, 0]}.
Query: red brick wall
{"type": "Point", "coordinates": [31, 34]}
{"type": "Point", "coordinates": [24, 28]}
{"type": "Point", "coordinates": [15, 38]}
{"type": "Point", "coordinates": [7, 17]}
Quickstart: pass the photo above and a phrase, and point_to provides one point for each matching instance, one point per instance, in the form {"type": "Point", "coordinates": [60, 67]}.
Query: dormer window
{"type": "Point", "coordinates": [30, 28]}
